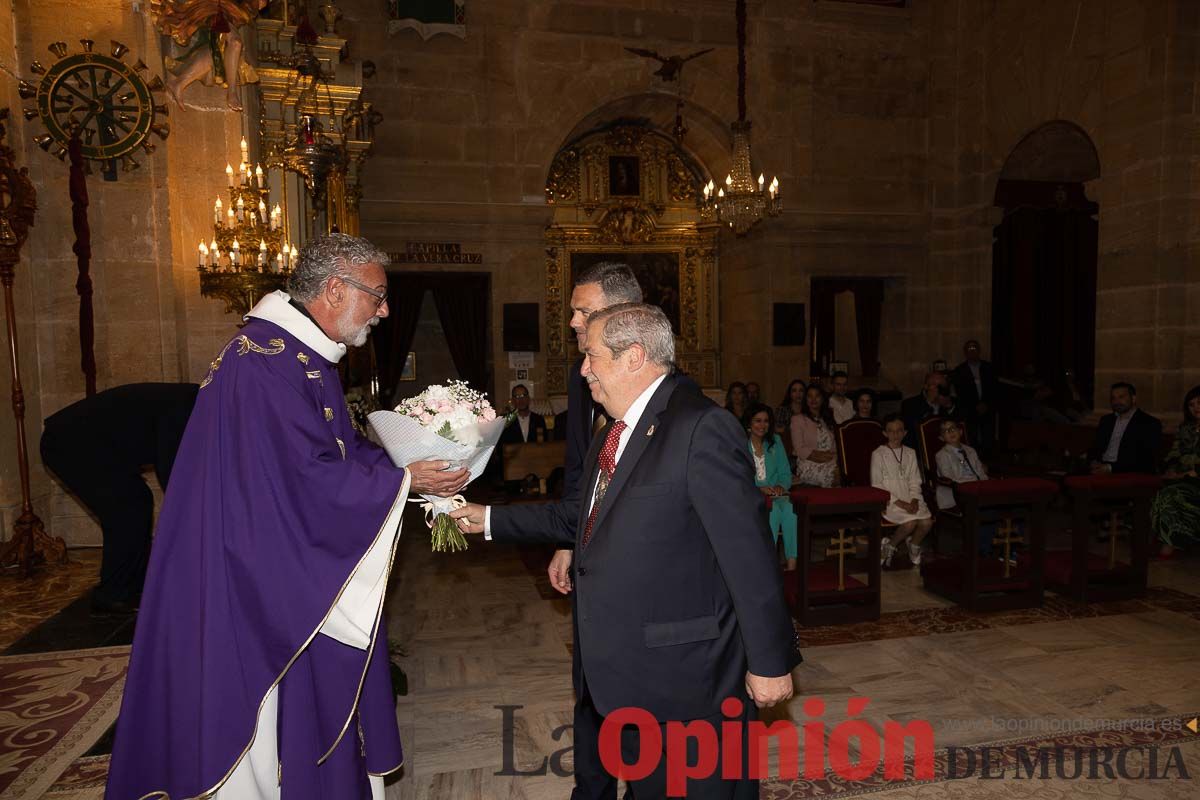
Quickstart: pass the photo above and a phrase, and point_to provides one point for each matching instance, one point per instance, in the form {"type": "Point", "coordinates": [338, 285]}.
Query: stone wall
{"type": "Point", "coordinates": [888, 129]}
{"type": "Point", "coordinates": [150, 322]}
{"type": "Point", "coordinates": [1126, 73]}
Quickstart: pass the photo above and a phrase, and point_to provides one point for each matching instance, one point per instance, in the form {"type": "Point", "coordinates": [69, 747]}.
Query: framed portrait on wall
{"type": "Point", "coordinates": [657, 274]}
{"type": "Point", "coordinates": [409, 373]}
{"type": "Point", "coordinates": [623, 176]}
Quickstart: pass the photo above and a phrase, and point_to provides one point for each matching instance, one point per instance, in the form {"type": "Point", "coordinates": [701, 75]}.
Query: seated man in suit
{"type": "Point", "coordinates": [527, 423]}
{"type": "Point", "coordinates": [679, 603]}
{"type": "Point", "coordinates": [933, 401]}
{"type": "Point", "coordinates": [1128, 439]}
{"type": "Point", "coordinates": [98, 447]}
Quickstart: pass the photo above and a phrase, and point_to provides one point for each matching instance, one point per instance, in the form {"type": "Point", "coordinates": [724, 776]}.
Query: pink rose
{"type": "Point", "coordinates": [425, 417]}
{"type": "Point", "coordinates": [488, 415]}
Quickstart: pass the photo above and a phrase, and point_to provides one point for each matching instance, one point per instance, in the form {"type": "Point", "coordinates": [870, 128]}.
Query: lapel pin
{"type": "Point", "coordinates": [650, 431]}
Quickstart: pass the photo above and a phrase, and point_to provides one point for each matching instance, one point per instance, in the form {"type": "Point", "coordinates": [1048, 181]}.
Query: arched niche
{"type": "Point", "coordinates": [1044, 258]}
{"type": "Point", "coordinates": [627, 190]}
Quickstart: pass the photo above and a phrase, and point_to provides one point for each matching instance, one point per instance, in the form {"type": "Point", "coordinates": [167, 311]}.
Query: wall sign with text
{"type": "Point", "coordinates": [435, 253]}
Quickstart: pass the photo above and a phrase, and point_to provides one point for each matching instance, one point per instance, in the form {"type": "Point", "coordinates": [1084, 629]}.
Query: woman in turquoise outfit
{"type": "Point", "coordinates": [773, 475]}
{"type": "Point", "coordinates": [1175, 515]}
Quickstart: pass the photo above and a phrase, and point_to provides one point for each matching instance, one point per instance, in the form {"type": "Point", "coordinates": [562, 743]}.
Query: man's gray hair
{"type": "Point", "coordinates": [333, 255]}
{"type": "Point", "coordinates": [627, 324]}
{"type": "Point", "coordinates": [615, 279]}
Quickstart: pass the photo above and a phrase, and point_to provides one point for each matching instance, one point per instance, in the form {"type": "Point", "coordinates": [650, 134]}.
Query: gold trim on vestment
{"type": "Point", "coordinates": [401, 495]}
{"type": "Point", "coordinates": [245, 345]}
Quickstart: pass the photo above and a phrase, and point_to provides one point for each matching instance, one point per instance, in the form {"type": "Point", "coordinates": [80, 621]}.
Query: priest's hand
{"type": "Point", "coordinates": [431, 477]}
{"type": "Point", "coordinates": [469, 518]}
{"type": "Point", "coordinates": [766, 692]}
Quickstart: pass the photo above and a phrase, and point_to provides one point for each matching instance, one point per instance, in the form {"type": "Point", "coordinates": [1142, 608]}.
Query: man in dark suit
{"type": "Point", "coordinates": [1128, 439]}
{"type": "Point", "coordinates": [98, 448]}
{"type": "Point", "coordinates": [977, 391]}
{"type": "Point", "coordinates": [933, 401]}
{"type": "Point", "coordinates": [678, 599]}
{"type": "Point", "coordinates": [527, 424]}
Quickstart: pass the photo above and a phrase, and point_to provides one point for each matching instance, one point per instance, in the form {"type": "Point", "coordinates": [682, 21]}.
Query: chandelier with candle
{"type": "Point", "coordinates": [742, 201]}
{"type": "Point", "coordinates": [248, 254]}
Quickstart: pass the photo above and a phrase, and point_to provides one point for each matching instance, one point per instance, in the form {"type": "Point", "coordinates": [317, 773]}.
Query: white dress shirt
{"type": "Point", "coordinates": [523, 421]}
{"type": "Point", "coordinates": [1113, 451]}
{"type": "Point", "coordinates": [842, 408]}
{"type": "Point", "coordinates": [631, 419]}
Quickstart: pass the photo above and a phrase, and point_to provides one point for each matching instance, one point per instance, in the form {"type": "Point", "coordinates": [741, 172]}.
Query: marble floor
{"type": "Point", "coordinates": [480, 631]}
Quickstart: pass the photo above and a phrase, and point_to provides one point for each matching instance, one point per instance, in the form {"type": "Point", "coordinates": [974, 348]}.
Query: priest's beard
{"type": "Point", "coordinates": [357, 338]}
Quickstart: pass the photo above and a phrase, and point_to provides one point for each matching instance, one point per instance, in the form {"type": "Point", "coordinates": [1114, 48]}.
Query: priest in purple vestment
{"type": "Point", "coordinates": [259, 667]}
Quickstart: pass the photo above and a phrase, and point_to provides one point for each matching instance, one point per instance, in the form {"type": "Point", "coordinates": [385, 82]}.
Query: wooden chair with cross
{"type": "Point", "coordinates": [1117, 570]}
{"type": "Point", "coordinates": [1013, 577]}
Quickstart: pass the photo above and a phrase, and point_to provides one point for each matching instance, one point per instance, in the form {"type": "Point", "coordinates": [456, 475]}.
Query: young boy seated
{"type": "Point", "coordinates": [957, 462]}
{"type": "Point", "coordinates": [894, 469]}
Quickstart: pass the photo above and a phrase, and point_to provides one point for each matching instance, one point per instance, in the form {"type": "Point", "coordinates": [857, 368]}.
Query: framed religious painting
{"type": "Point", "coordinates": [409, 372]}
{"type": "Point", "coordinates": [623, 176]}
{"type": "Point", "coordinates": [657, 273]}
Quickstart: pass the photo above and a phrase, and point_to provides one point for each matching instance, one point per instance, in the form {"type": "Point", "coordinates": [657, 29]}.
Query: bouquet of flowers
{"type": "Point", "coordinates": [451, 423]}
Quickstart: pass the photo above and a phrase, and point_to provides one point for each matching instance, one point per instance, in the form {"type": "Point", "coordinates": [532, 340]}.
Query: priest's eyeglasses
{"type": "Point", "coordinates": [380, 297]}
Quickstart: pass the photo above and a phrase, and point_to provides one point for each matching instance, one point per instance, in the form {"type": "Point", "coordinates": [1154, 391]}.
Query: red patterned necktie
{"type": "Point", "coordinates": [608, 465]}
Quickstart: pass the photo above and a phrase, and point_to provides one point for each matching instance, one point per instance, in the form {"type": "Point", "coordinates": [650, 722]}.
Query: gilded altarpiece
{"type": "Point", "coordinates": [629, 192]}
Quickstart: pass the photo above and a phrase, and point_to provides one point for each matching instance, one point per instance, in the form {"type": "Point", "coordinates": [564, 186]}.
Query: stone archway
{"type": "Point", "coordinates": [1044, 256]}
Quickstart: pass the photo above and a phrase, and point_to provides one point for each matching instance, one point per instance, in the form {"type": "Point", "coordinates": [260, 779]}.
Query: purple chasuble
{"type": "Point", "coordinates": [264, 597]}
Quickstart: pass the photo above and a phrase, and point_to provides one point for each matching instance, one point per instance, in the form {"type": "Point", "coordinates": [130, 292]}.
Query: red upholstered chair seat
{"type": "Point", "coordinates": [1032, 489]}
{"type": "Point", "coordinates": [850, 495]}
{"type": "Point", "coordinates": [1125, 480]}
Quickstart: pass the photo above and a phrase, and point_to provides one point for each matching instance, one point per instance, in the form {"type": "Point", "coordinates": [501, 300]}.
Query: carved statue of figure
{"type": "Point", "coordinates": [209, 29]}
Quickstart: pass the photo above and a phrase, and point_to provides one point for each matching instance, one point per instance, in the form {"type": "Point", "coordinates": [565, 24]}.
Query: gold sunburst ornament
{"type": "Point", "coordinates": [108, 104]}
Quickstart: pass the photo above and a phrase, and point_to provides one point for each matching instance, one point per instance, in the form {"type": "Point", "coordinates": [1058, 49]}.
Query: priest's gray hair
{"type": "Point", "coordinates": [627, 324]}
{"type": "Point", "coordinates": [334, 255]}
{"type": "Point", "coordinates": [615, 279]}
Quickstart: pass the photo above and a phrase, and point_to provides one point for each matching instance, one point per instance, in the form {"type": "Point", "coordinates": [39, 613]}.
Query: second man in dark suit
{"type": "Point", "coordinates": [678, 599]}
{"type": "Point", "coordinates": [1128, 439]}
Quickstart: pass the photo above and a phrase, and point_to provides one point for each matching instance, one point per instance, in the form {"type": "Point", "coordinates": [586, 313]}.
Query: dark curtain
{"type": "Point", "coordinates": [868, 312]}
{"type": "Point", "coordinates": [1044, 292]}
{"type": "Point", "coordinates": [393, 336]}
{"type": "Point", "coordinates": [462, 304]}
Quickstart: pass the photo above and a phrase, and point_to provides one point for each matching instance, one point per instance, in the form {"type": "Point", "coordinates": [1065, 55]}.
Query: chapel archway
{"type": "Point", "coordinates": [628, 190]}
{"type": "Point", "coordinates": [1044, 261]}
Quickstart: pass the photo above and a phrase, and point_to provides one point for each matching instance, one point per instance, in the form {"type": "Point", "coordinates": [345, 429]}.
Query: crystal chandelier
{"type": "Point", "coordinates": [742, 201]}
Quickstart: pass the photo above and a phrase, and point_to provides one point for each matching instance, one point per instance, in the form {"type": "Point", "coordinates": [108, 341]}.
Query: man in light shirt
{"type": "Point", "coordinates": [528, 423]}
{"type": "Point", "coordinates": [841, 406]}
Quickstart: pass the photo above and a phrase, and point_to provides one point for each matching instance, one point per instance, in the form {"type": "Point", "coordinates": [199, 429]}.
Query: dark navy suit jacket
{"type": "Point", "coordinates": [678, 592]}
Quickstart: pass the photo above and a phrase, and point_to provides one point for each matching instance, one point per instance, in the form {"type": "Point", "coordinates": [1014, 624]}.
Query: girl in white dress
{"type": "Point", "coordinates": [894, 469]}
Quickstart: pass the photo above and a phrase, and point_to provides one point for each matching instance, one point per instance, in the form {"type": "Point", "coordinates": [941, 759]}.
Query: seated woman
{"type": "Point", "coordinates": [894, 469]}
{"type": "Point", "coordinates": [812, 441]}
{"type": "Point", "coordinates": [1175, 515]}
{"type": "Point", "coordinates": [793, 403]}
{"type": "Point", "coordinates": [773, 476]}
{"type": "Point", "coordinates": [864, 404]}
{"type": "Point", "coordinates": [735, 401]}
